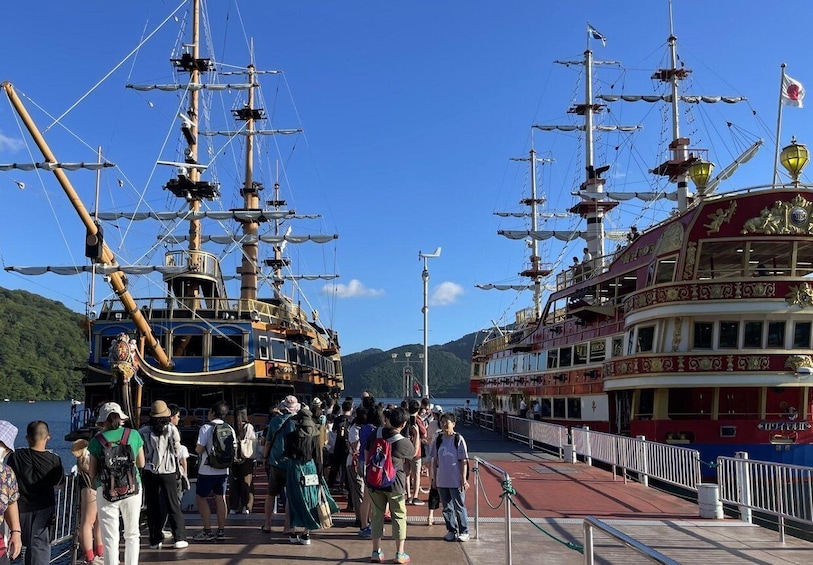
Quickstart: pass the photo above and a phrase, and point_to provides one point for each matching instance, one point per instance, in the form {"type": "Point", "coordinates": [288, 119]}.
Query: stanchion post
{"type": "Point", "coordinates": [588, 543]}
{"type": "Point", "coordinates": [644, 461]}
{"type": "Point", "coordinates": [744, 485]}
{"type": "Point", "coordinates": [476, 498]}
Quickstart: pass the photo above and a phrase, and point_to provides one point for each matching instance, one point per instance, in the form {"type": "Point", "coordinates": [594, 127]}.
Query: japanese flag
{"type": "Point", "coordinates": [792, 92]}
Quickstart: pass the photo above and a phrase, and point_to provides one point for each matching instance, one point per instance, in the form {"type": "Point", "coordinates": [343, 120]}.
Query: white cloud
{"type": "Point", "coordinates": [354, 289]}
{"type": "Point", "coordinates": [445, 293]}
{"type": "Point", "coordinates": [10, 144]}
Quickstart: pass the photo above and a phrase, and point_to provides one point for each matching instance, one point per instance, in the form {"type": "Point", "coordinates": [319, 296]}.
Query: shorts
{"type": "Point", "coordinates": [276, 481]}
{"type": "Point", "coordinates": [211, 484]}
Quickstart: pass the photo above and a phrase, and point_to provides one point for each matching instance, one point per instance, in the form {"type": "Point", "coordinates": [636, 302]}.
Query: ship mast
{"type": "Point", "coordinates": [251, 201]}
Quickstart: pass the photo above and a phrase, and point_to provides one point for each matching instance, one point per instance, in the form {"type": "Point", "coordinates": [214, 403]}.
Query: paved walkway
{"type": "Point", "coordinates": [555, 495]}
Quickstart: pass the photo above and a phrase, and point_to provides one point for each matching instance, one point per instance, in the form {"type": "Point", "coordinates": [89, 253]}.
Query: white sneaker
{"type": "Point", "coordinates": [156, 546]}
{"type": "Point", "coordinates": [463, 537]}
{"type": "Point", "coordinates": [246, 511]}
{"type": "Point", "coordinates": [181, 544]}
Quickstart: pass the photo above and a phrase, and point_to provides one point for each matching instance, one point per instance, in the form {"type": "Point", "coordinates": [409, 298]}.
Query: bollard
{"type": "Point", "coordinates": [708, 499]}
{"type": "Point", "coordinates": [569, 453]}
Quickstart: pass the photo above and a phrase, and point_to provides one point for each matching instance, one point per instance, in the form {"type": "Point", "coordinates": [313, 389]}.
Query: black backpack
{"type": "Point", "coordinates": [439, 440]}
{"type": "Point", "coordinates": [117, 469]}
{"type": "Point", "coordinates": [341, 434]}
{"type": "Point", "coordinates": [221, 453]}
{"type": "Point", "coordinates": [300, 444]}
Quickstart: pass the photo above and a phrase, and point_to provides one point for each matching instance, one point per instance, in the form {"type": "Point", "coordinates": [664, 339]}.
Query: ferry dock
{"type": "Point", "coordinates": [556, 497]}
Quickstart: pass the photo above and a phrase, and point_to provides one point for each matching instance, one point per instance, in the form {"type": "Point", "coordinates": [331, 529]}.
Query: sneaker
{"type": "Point", "coordinates": [246, 511]}
{"type": "Point", "coordinates": [418, 502]}
{"type": "Point", "coordinates": [366, 533]}
{"type": "Point", "coordinates": [305, 539]}
{"type": "Point", "coordinates": [450, 536]}
{"type": "Point", "coordinates": [293, 538]}
{"type": "Point", "coordinates": [205, 535]}
{"type": "Point", "coordinates": [156, 545]}
{"type": "Point", "coordinates": [232, 511]}
{"type": "Point", "coordinates": [220, 534]}
{"type": "Point", "coordinates": [401, 558]}
{"type": "Point", "coordinates": [98, 560]}
{"type": "Point", "coordinates": [180, 544]}
{"type": "Point", "coordinates": [463, 537]}
{"type": "Point", "coordinates": [377, 557]}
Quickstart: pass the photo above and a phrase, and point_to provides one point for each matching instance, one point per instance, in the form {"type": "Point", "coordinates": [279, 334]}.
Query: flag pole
{"type": "Point", "coordinates": [778, 127]}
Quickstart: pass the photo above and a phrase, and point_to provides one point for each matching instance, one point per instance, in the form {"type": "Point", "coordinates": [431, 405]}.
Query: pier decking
{"type": "Point", "coordinates": [555, 495]}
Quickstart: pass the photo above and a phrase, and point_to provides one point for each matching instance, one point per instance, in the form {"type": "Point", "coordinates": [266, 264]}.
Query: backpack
{"type": "Point", "coordinates": [300, 444]}
{"type": "Point", "coordinates": [159, 451]}
{"type": "Point", "coordinates": [380, 471]}
{"type": "Point", "coordinates": [221, 453]}
{"type": "Point", "coordinates": [340, 445]}
{"type": "Point", "coordinates": [117, 470]}
{"type": "Point", "coordinates": [439, 440]}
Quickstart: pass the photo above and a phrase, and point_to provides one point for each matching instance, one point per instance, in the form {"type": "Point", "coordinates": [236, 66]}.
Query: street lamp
{"type": "Point", "coordinates": [406, 374]}
{"type": "Point", "coordinates": [425, 277]}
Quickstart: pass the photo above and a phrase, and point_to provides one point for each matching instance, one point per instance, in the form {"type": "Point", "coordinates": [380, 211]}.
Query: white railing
{"type": "Point", "coordinates": [679, 466]}
{"type": "Point", "coordinates": [485, 420]}
{"type": "Point", "coordinates": [781, 490]}
{"type": "Point", "coordinates": [632, 543]}
{"type": "Point", "coordinates": [538, 434]}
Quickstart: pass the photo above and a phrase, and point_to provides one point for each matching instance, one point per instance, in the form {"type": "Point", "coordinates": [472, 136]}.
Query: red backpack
{"type": "Point", "coordinates": [380, 470]}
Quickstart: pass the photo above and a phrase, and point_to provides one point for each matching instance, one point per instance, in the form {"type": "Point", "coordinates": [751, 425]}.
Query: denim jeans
{"type": "Point", "coordinates": [454, 509]}
{"type": "Point", "coordinates": [36, 535]}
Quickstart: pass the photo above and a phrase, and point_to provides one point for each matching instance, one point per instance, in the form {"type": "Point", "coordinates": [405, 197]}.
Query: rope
{"type": "Point", "coordinates": [508, 493]}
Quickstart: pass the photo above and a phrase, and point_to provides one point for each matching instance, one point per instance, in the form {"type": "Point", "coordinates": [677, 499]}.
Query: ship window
{"type": "Point", "coordinates": [690, 403]}
{"type": "Point", "coordinates": [776, 334]}
{"type": "Point", "coordinates": [263, 343]}
{"type": "Point", "coordinates": [665, 272]}
{"type": "Point", "coordinates": [187, 345]}
{"type": "Point", "coordinates": [719, 259]}
{"type": "Point", "coordinates": [278, 350]}
{"type": "Point", "coordinates": [804, 259]}
{"type": "Point", "coordinates": [580, 354]}
{"type": "Point", "coordinates": [753, 335]}
{"type": "Point", "coordinates": [227, 345]}
{"type": "Point", "coordinates": [618, 344]}
{"type": "Point", "coordinates": [553, 358]}
{"type": "Point", "coordinates": [565, 356]}
{"type": "Point", "coordinates": [774, 255]}
{"type": "Point", "coordinates": [646, 402]}
{"type": "Point", "coordinates": [703, 335]}
{"type": "Point", "coordinates": [646, 338]}
{"type": "Point", "coordinates": [574, 408]}
{"type": "Point", "coordinates": [801, 335]}
{"type": "Point", "coordinates": [597, 352]}
{"type": "Point", "coordinates": [729, 334]}
{"type": "Point", "coordinates": [559, 408]}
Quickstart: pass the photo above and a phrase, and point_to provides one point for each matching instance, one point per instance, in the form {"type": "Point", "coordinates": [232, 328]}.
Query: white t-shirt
{"type": "Point", "coordinates": [352, 437]}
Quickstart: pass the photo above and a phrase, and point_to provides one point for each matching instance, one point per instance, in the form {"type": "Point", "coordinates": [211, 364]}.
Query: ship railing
{"type": "Point", "coordinates": [66, 520]}
{"type": "Point", "coordinates": [672, 464]}
{"type": "Point", "coordinates": [543, 435]}
{"type": "Point", "coordinates": [506, 482]}
{"type": "Point", "coordinates": [777, 489]}
{"type": "Point", "coordinates": [485, 420]}
{"type": "Point", "coordinates": [591, 523]}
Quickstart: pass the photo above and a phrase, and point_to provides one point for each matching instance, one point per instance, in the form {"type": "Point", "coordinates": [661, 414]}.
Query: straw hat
{"type": "Point", "coordinates": [79, 447]}
{"type": "Point", "coordinates": [159, 409]}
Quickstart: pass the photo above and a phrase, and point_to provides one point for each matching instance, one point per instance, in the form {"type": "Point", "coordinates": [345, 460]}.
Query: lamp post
{"type": "Point", "coordinates": [425, 277]}
{"type": "Point", "coordinates": [406, 374]}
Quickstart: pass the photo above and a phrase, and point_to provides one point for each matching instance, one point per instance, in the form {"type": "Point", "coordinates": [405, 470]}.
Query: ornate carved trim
{"type": "Point", "coordinates": [792, 217]}
{"type": "Point", "coordinates": [720, 217]}
{"type": "Point", "coordinates": [801, 296]}
{"type": "Point", "coordinates": [796, 361]}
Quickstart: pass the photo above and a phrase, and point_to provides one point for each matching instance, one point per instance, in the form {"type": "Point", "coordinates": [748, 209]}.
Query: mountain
{"type": "Point", "coordinates": [41, 343]}
{"type": "Point", "coordinates": [375, 371]}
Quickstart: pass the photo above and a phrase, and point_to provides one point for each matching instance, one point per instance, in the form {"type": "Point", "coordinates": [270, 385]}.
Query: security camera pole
{"type": "Point", "coordinates": [425, 277]}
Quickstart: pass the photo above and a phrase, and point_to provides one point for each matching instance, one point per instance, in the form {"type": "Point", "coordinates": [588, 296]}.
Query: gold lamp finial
{"type": "Point", "coordinates": [700, 173]}
{"type": "Point", "coordinates": [794, 158]}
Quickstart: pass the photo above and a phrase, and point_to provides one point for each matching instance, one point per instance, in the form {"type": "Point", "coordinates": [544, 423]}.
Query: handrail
{"type": "Point", "coordinates": [589, 558]}
{"type": "Point", "coordinates": [506, 480]}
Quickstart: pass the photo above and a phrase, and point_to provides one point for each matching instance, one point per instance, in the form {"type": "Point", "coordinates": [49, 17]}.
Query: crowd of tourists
{"type": "Point", "coordinates": [377, 455]}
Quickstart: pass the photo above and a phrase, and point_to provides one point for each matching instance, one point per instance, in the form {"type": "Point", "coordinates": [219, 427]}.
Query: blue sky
{"type": "Point", "coordinates": [411, 111]}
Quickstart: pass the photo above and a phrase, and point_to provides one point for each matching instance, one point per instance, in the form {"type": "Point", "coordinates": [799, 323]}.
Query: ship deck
{"type": "Point", "coordinates": [555, 496]}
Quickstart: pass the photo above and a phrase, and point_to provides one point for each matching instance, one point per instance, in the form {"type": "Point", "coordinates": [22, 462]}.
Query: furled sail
{"type": "Point", "coordinates": [51, 166]}
{"type": "Point", "coordinates": [541, 235]}
{"type": "Point", "coordinates": [243, 215]}
{"type": "Point", "coordinates": [528, 214]}
{"type": "Point", "coordinates": [690, 99]}
{"type": "Point", "coordinates": [192, 86]}
{"type": "Point", "coordinates": [243, 239]}
{"type": "Point", "coordinates": [99, 269]}
{"type": "Point", "coordinates": [581, 128]}
{"type": "Point", "coordinates": [252, 132]}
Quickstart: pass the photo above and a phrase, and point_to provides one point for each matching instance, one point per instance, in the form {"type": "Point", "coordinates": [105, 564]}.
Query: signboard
{"type": "Point", "coordinates": [784, 426]}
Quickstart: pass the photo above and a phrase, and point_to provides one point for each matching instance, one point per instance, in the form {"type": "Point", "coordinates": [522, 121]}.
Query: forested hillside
{"type": "Point", "coordinates": [41, 342]}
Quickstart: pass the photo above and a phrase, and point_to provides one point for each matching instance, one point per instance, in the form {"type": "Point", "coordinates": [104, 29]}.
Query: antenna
{"type": "Point", "coordinates": [425, 310]}
{"type": "Point", "coordinates": [434, 255]}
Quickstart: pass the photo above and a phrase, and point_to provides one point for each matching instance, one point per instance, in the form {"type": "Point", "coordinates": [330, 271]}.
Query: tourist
{"type": "Point", "coordinates": [9, 494]}
{"type": "Point", "coordinates": [38, 472]}
{"type": "Point", "coordinates": [183, 454]}
{"type": "Point", "coordinates": [212, 480]}
{"type": "Point", "coordinates": [450, 463]}
{"type": "Point", "coordinates": [162, 442]}
{"type": "Point", "coordinates": [375, 418]}
{"type": "Point", "coordinates": [395, 495]}
{"type": "Point", "coordinates": [126, 510]}
{"type": "Point", "coordinates": [303, 486]}
{"type": "Point", "coordinates": [337, 475]}
{"type": "Point", "coordinates": [89, 528]}
{"type": "Point", "coordinates": [432, 431]}
{"type": "Point", "coordinates": [241, 479]}
{"type": "Point", "coordinates": [523, 408]}
{"type": "Point", "coordinates": [412, 467]}
{"type": "Point", "coordinates": [274, 457]}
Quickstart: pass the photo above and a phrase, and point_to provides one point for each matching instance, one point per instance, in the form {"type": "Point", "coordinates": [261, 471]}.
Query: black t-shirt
{"type": "Point", "coordinates": [38, 472]}
{"type": "Point", "coordinates": [342, 422]}
{"type": "Point", "coordinates": [401, 449]}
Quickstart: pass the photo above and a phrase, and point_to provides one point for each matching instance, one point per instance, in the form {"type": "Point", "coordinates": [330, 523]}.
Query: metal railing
{"type": "Point", "coordinates": [506, 479]}
{"type": "Point", "coordinates": [485, 420]}
{"type": "Point", "coordinates": [589, 557]}
{"type": "Point", "coordinates": [781, 490]}
{"type": "Point", "coordinates": [63, 538]}
{"type": "Point", "coordinates": [679, 466]}
{"type": "Point", "coordinates": [538, 434]}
